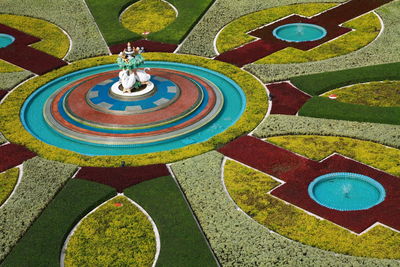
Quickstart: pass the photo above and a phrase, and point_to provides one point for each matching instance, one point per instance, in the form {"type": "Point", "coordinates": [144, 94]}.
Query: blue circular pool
{"type": "Point", "coordinates": [67, 128]}
{"type": "Point", "coordinates": [346, 191]}
{"type": "Point", "coordinates": [299, 32]}
{"type": "Point", "coordinates": [6, 40]}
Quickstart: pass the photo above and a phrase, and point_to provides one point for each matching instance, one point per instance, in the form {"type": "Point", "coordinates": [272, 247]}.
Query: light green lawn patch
{"type": "Point", "coordinates": [54, 41]}
{"type": "Point", "coordinates": [365, 29]}
{"type": "Point", "coordinates": [8, 180]}
{"type": "Point", "coordinates": [148, 16]}
{"type": "Point", "coordinates": [379, 94]}
{"type": "Point", "coordinates": [235, 33]}
{"type": "Point", "coordinates": [113, 236]}
{"type": "Point", "coordinates": [249, 189]}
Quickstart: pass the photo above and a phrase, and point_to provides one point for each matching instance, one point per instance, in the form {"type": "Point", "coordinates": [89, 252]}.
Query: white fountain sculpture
{"type": "Point", "coordinates": [131, 80]}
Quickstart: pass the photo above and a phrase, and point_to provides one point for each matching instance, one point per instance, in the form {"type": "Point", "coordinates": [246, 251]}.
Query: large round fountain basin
{"type": "Point", "coordinates": [346, 191]}
{"type": "Point", "coordinates": [299, 32]}
{"type": "Point", "coordinates": [6, 40]}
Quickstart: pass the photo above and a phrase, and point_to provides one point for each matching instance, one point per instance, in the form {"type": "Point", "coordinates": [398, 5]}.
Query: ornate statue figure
{"type": "Point", "coordinates": [128, 60]}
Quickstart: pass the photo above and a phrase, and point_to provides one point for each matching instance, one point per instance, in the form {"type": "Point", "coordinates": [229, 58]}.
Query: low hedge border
{"type": "Point", "coordinates": [54, 41]}
{"type": "Point", "coordinates": [42, 243]}
{"type": "Point", "coordinates": [256, 108]}
{"type": "Point", "coordinates": [117, 233]}
{"type": "Point", "coordinates": [235, 238]}
{"type": "Point", "coordinates": [293, 125]}
{"type": "Point", "coordinates": [249, 189]}
{"type": "Point", "coordinates": [182, 243]}
{"type": "Point", "coordinates": [40, 182]}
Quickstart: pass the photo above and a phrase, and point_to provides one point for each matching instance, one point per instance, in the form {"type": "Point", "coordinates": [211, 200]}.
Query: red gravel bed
{"type": "Point", "coordinates": [21, 54]}
{"type": "Point", "coordinates": [149, 46]}
{"type": "Point", "coordinates": [298, 172]}
{"type": "Point", "coordinates": [12, 155]}
{"type": "Point", "coordinates": [122, 177]}
{"type": "Point", "coordinates": [286, 98]}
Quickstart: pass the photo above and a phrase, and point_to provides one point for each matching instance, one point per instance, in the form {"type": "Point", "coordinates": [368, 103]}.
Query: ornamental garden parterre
{"type": "Point", "coordinates": [199, 133]}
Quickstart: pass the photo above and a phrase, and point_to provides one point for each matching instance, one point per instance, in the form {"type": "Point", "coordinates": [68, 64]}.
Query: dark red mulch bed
{"type": "Point", "coordinates": [122, 177]}
{"type": "Point", "coordinates": [298, 172]}
{"type": "Point", "coordinates": [3, 93]}
{"type": "Point", "coordinates": [330, 20]}
{"type": "Point", "coordinates": [12, 155]}
{"type": "Point", "coordinates": [286, 98]}
{"type": "Point", "coordinates": [21, 54]}
{"type": "Point", "coordinates": [149, 46]}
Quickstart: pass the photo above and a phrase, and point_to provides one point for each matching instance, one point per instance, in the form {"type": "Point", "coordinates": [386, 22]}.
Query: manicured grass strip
{"type": "Point", "coordinates": [317, 84]}
{"type": "Point", "coordinates": [12, 155]}
{"type": "Point", "coordinates": [318, 147]}
{"type": "Point", "coordinates": [182, 243]}
{"type": "Point", "coordinates": [115, 234]}
{"type": "Point", "coordinates": [41, 181]}
{"type": "Point", "coordinates": [41, 245]}
{"type": "Point", "coordinates": [256, 108]}
{"type": "Point", "coordinates": [322, 107]}
{"type": "Point", "coordinates": [148, 16]}
{"type": "Point", "coordinates": [107, 12]}
{"type": "Point", "coordinates": [54, 41]}
{"type": "Point", "coordinates": [379, 94]}
{"type": "Point", "coordinates": [8, 180]}
{"type": "Point", "coordinates": [123, 177]}
{"type": "Point", "coordinates": [249, 189]}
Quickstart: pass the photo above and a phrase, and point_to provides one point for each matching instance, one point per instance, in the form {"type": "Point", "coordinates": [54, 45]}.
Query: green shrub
{"type": "Point", "coordinates": [112, 236]}
{"type": "Point", "coordinates": [236, 239]}
{"type": "Point", "coordinates": [182, 243]}
{"type": "Point", "coordinates": [256, 107]}
{"type": "Point", "coordinates": [43, 242]}
{"type": "Point", "coordinates": [379, 94]}
{"type": "Point", "coordinates": [154, 15]}
{"type": "Point", "coordinates": [283, 125]}
{"type": "Point", "coordinates": [41, 180]}
{"type": "Point", "coordinates": [249, 189]}
{"type": "Point", "coordinates": [322, 107]}
{"type": "Point", "coordinates": [8, 180]}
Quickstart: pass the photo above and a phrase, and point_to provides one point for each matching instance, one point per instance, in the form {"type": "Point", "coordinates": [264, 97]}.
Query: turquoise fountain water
{"type": "Point", "coordinates": [346, 191]}
{"type": "Point", "coordinates": [233, 106]}
{"type": "Point", "coordinates": [6, 40]}
{"type": "Point", "coordinates": [299, 32]}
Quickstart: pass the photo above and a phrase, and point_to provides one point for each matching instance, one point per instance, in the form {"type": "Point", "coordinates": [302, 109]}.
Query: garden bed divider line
{"type": "Point", "coordinates": [76, 172]}
{"type": "Point", "coordinates": [20, 174]}
{"type": "Point", "coordinates": [193, 214]}
{"type": "Point", "coordinates": [97, 26]}
{"type": "Point", "coordinates": [153, 224]}
{"type": "Point", "coordinates": [18, 85]}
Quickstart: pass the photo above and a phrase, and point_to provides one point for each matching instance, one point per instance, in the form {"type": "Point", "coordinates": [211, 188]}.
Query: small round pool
{"type": "Point", "coordinates": [346, 191]}
{"type": "Point", "coordinates": [299, 32]}
{"type": "Point", "coordinates": [6, 40]}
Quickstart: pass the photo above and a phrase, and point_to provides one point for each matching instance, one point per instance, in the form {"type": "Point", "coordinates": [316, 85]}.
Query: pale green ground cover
{"type": "Point", "coordinates": [41, 180]}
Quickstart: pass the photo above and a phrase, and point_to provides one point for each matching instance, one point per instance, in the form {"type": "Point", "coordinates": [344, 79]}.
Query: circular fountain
{"type": "Point", "coordinates": [345, 191]}
{"type": "Point", "coordinates": [299, 32]}
{"type": "Point", "coordinates": [96, 112]}
{"type": "Point", "coordinates": [6, 40]}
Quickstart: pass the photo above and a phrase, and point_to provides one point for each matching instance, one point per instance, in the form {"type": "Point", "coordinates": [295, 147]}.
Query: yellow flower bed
{"type": "Point", "coordinates": [148, 16]}
{"type": "Point", "coordinates": [116, 234]}
{"type": "Point", "coordinates": [8, 180]}
{"type": "Point", "coordinates": [54, 41]}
